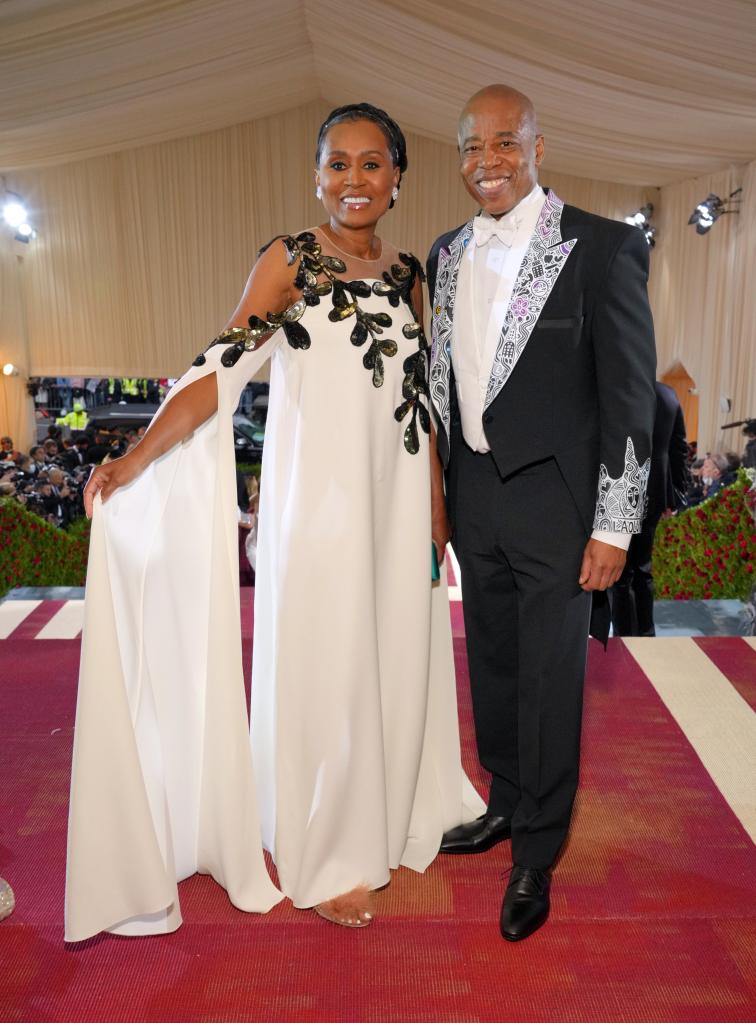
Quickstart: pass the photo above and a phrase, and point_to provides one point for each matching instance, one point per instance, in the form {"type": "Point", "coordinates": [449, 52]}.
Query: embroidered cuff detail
{"type": "Point", "coordinates": [621, 503]}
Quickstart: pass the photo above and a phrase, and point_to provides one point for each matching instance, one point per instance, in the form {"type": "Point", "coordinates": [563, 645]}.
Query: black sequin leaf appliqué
{"type": "Point", "coordinates": [415, 383]}
{"type": "Point", "coordinates": [316, 278]}
{"type": "Point", "coordinates": [295, 333]}
{"type": "Point", "coordinates": [239, 340]}
{"type": "Point", "coordinates": [312, 266]}
{"type": "Point", "coordinates": [397, 284]}
{"type": "Point", "coordinates": [370, 325]}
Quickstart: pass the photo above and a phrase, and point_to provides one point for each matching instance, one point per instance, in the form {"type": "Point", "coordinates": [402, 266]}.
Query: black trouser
{"type": "Point", "coordinates": [520, 543]}
{"type": "Point", "coordinates": [632, 596]}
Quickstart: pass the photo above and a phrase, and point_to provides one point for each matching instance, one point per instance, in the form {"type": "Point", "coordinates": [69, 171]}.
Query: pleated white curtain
{"type": "Point", "coordinates": [142, 254]}
{"type": "Point", "coordinates": [703, 297]}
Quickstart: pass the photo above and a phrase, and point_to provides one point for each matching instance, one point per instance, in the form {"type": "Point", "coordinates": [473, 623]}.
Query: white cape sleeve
{"type": "Point", "coordinates": [162, 783]}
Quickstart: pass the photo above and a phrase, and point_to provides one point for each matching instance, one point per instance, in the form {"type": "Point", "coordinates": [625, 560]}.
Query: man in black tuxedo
{"type": "Point", "coordinates": [542, 374]}
{"type": "Point", "coordinates": [632, 596]}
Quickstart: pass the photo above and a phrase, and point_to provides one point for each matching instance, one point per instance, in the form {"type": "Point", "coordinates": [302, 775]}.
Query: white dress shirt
{"type": "Point", "coordinates": [486, 278]}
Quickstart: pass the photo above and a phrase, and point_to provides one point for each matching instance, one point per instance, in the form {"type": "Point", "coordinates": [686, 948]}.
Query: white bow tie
{"type": "Point", "coordinates": [486, 228]}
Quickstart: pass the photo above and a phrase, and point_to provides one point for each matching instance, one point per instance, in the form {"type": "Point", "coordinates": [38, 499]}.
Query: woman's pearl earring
{"type": "Point", "coordinates": [395, 193]}
{"type": "Point", "coordinates": [319, 192]}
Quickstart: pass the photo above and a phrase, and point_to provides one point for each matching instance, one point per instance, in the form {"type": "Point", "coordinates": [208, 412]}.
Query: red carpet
{"type": "Point", "coordinates": [653, 918]}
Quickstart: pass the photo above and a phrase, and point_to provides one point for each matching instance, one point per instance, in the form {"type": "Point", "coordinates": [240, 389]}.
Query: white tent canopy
{"type": "Point", "coordinates": [638, 91]}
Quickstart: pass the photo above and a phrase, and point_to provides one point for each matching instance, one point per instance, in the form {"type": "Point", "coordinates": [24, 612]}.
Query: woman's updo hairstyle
{"type": "Point", "coordinates": [367, 112]}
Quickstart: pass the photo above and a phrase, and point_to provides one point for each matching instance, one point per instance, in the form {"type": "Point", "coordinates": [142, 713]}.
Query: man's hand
{"type": "Point", "coordinates": [602, 565]}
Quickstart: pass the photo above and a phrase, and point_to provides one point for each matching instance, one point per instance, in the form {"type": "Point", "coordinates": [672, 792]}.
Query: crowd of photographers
{"type": "Point", "coordinates": [50, 479]}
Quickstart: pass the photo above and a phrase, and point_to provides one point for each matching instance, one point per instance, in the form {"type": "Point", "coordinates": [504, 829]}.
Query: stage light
{"type": "Point", "coordinates": [14, 211]}
{"type": "Point", "coordinates": [16, 215]}
{"type": "Point", "coordinates": [711, 209]}
{"type": "Point", "coordinates": [9, 370]}
{"type": "Point", "coordinates": [25, 232]}
{"type": "Point", "coordinates": [642, 219]}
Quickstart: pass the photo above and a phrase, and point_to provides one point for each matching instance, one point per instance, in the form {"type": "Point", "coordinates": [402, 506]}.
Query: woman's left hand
{"type": "Point", "coordinates": [440, 531]}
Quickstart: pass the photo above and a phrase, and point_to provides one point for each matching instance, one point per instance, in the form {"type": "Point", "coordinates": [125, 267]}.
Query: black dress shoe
{"type": "Point", "coordinates": [526, 903]}
{"type": "Point", "coordinates": [477, 836]}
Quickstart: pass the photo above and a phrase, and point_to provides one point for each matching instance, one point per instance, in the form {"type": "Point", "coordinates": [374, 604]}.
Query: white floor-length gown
{"type": "Point", "coordinates": [354, 733]}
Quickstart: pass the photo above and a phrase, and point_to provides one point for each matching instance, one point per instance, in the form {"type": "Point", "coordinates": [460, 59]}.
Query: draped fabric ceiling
{"type": "Point", "coordinates": [639, 91]}
{"type": "Point", "coordinates": [160, 142]}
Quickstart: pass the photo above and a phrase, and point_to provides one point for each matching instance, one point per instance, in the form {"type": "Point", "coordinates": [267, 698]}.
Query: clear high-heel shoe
{"type": "Point", "coordinates": [7, 899]}
{"type": "Point", "coordinates": [352, 909]}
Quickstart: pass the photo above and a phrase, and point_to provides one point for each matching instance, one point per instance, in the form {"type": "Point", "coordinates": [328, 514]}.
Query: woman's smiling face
{"type": "Point", "coordinates": [356, 173]}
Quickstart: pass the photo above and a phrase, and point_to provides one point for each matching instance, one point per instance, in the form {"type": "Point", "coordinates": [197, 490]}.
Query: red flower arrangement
{"type": "Point", "coordinates": [35, 553]}
{"type": "Point", "coordinates": [709, 552]}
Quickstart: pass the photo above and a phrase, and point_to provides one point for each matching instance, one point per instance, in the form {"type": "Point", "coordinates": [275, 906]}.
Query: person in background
{"type": "Point", "coordinates": [8, 452]}
{"type": "Point", "coordinates": [77, 419]}
{"type": "Point", "coordinates": [57, 498]}
{"type": "Point", "coordinates": [716, 473]}
{"type": "Point", "coordinates": [632, 596]}
{"type": "Point", "coordinates": [39, 459]}
{"type": "Point", "coordinates": [695, 486]}
{"type": "Point", "coordinates": [749, 455]}
{"type": "Point", "coordinates": [74, 452]}
{"type": "Point", "coordinates": [52, 450]}
{"type": "Point", "coordinates": [95, 447]}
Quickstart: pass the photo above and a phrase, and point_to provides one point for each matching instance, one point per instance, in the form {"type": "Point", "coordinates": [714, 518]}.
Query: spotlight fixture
{"type": "Point", "coordinates": [711, 209]}
{"type": "Point", "coordinates": [9, 370]}
{"type": "Point", "coordinates": [642, 219]}
{"type": "Point", "coordinates": [16, 217]}
{"type": "Point", "coordinates": [14, 212]}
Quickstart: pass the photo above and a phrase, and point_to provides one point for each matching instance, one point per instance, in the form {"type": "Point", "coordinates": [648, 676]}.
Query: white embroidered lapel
{"type": "Point", "coordinates": [541, 266]}
{"type": "Point", "coordinates": [442, 321]}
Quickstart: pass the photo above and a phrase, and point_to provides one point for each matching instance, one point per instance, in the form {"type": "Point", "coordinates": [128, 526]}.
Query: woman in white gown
{"type": "Point", "coordinates": [355, 761]}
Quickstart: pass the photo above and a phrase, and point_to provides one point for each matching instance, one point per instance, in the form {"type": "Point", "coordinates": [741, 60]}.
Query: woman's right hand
{"type": "Point", "coordinates": [106, 479]}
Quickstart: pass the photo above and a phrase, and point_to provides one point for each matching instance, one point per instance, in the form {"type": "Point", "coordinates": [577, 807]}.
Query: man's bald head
{"type": "Point", "coordinates": [505, 96]}
{"type": "Point", "coordinates": [500, 148]}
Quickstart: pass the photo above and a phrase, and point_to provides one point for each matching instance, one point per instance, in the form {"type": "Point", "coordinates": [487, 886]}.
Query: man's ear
{"type": "Point", "coordinates": [539, 149]}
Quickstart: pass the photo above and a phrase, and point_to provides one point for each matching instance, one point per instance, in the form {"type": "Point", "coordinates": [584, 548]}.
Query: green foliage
{"type": "Point", "coordinates": [709, 552]}
{"type": "Point", "coordinates": [249, 468]}
{"type": "Point", "coordinates": [35, 553]}
{"type": "Point", "coordinates": [705, 552]}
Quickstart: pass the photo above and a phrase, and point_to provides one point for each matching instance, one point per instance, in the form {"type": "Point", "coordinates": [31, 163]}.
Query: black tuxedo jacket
{"type": "Point", "coordinates": [574, 371]}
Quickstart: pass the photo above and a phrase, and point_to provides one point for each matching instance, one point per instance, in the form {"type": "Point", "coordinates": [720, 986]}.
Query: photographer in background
{"type": "Point", "coordinates": [749, 455]}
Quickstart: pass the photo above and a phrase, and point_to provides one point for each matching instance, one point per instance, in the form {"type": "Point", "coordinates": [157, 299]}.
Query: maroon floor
{"type": "Point", "coordinates": [653, 920]}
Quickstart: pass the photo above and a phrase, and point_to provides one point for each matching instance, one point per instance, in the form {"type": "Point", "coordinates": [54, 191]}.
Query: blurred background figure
{"type": "Point", "coordinates": [718, 471]}
{"type": "Point", "coordinates": [77, 419]}
{"type": "Point", "coordinates": [7, 452]}
{"type": "Point", "coordinates": [632, 596]}
{"type": "Point", "coordinates": [749, 455]}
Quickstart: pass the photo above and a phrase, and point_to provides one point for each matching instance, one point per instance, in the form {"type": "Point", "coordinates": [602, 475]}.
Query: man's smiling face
{"type": "Point", "coordinates": [500, 149]}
